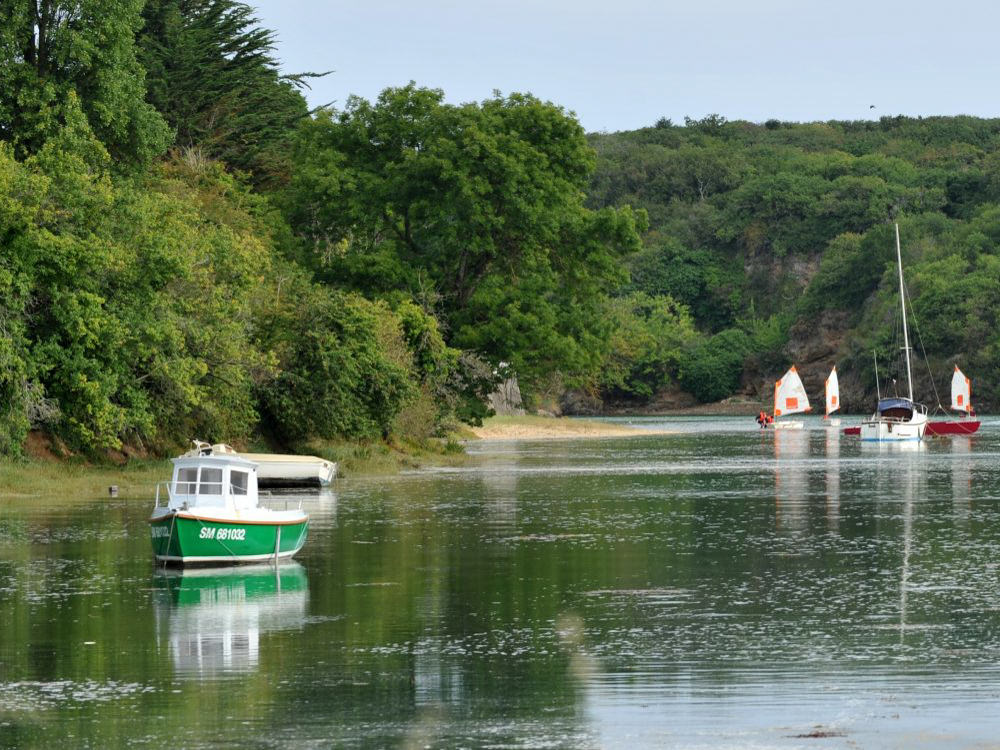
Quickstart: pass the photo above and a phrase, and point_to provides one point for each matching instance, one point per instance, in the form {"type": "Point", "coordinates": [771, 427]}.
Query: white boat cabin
{"type": "Point", "coordinates": [212, 481]}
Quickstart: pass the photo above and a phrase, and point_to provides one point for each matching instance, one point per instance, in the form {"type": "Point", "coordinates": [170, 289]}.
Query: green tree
{"type": "Point", "coordinates": [20, 192]}
{"type": "Point", "coordinates": [775, 213]}
{"type": "Point", "coordinates": [696, 278]}
{"type": "Point", "coordinates": [128, 300]}
{"type": "Point", "coordinates": [713, 366]}
{"type": "Point", "coordinates": [344, 369]}
{"type": "Point", "coordinates": [481, 203]}
{"type": "Point", "coordinates": [847, 274]}
{"type": "Point", "coordinates": [647, 346]}
{"type": "Point", "coordinates": [50, 49]}
{"type": "Point", "coordinates": [212, 74]}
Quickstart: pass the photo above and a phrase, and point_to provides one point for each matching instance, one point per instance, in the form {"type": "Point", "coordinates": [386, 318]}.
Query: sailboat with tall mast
{"type": "Point", "coordinates": [898, 419]}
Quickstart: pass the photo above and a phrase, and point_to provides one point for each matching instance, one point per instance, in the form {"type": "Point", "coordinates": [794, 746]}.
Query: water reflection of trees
{"type": "Point", "coordinates": [791, 479]}
{"type": "Point", "coordinates": [515, 606]}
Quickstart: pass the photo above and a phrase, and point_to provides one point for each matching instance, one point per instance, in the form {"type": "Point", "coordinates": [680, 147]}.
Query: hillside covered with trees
{"type": "Point", "coordinates": [187, 250]}
{"type": "Point", "coordinates": [777, 241]}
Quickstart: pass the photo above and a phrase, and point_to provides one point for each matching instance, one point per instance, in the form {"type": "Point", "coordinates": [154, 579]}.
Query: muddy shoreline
{"type": "Point", "coordinates": [544, 428]}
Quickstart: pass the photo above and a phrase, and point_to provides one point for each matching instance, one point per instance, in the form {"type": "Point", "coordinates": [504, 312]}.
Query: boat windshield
{"type": "Point", "coordinates": [191, 482]}
{"type": "Point", "coordinates": [899, 408]}
{"type": "Point", "coordinates": [238, 482]}
{"type": "Point", "coordinates": [210, 482]}
{"type": "Point", "coordinates": [885, 404]}
{"type": "Point", "coordinates": [213, 481]}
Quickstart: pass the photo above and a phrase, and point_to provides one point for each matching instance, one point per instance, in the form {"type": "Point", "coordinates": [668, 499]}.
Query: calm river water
{"type": "Point", "coordinates": [718, 587]}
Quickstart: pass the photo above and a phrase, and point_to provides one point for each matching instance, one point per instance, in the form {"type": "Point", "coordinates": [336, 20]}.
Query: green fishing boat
{"type": "Point", "coordinates": [210, 512]}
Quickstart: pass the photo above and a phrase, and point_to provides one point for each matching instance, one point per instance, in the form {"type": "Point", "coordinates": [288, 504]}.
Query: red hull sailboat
{"type": "Point", "coordinates": [961, 401]}
{"type": "Point", "coordinates": [953, 427]}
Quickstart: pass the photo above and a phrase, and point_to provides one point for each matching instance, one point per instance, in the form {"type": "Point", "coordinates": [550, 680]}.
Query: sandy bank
{"type": "Point", "coordinates": [538, 428]}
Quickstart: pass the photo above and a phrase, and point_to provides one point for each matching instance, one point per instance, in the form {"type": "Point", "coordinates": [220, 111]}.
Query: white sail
{"type": "Point", "coordinates": [832, 392]}
{"type": "Point", "coordinates": [961, 392]}
{"type": "Point", "coordinates": [789, 395]}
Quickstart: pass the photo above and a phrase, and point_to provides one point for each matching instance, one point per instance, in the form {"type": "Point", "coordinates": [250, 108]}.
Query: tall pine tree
{"type": "Point", "coordinates": [212, 74]}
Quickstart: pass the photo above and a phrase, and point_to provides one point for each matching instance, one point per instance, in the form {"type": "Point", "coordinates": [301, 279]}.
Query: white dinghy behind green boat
{"type": "Point", "coordinates": [279, 469]}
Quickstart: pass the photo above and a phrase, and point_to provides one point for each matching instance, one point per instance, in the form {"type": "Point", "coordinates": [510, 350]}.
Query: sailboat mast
{"type": "Point", "coordinates": [878, 390]}
{"type": "Point", "coordinates": [902, 302]}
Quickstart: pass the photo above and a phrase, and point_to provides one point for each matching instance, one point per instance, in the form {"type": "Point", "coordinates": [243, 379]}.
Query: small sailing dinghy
{"type": "Point", "coordinates": [212, 513]}
{"type": "Point", "coordinates": [961, 401]}
{"type": "Point", "coordinates": [832, 389]}
{"type": "Point", "coordinates": [789, 398]}
{"type": "Point", "coordinates": [897, 419]}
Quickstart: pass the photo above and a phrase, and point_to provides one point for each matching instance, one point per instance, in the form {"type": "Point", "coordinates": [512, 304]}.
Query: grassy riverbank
{"type": "Point", "coordinates": [74, 478]}
{"type": "Point", "coordinates": [34, 478]}
{"type": "Point", "coordinates": [374, 458]}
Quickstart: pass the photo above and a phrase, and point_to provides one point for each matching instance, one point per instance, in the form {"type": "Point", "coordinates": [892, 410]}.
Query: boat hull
{"type": "Point", "coordinates": [183, 538]}
{"type": "Point", "coordinates": [788, 425]}
{"type": "Point", "coordinates": [893, 431]}
{"type": "Point", "coordinates": [278, 470]}
{"type": "Point", "coordinates": [954, 427]}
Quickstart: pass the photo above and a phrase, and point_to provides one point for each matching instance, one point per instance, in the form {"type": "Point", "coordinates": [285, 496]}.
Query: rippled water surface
{"type": "Point", "coordinates": [716, 587]}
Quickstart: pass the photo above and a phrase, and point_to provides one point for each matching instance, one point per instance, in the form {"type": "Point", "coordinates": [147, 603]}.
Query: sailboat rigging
{"type": "Point", "coordinates": [961, 401]}
{"type": "Point", "coordinates": [897, 419]}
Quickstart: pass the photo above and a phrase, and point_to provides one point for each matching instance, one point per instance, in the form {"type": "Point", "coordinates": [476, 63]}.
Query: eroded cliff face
{"type": "Point", "coordinates": [777, 281]}
{"type": "Point", "coordinates": [815, 347]}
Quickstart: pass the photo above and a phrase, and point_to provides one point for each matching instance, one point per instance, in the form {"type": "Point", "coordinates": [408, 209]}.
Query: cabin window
{"type": "Point", "coordinates": [187, 481]}
{"type": "Point", "coordinates": [211, 482]}
{"type": "Point", "coordinates": [238, 482]}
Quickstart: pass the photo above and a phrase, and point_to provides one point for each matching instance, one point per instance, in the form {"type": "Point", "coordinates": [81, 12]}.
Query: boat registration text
{"type": "Point", "coordinates": [221, 535]}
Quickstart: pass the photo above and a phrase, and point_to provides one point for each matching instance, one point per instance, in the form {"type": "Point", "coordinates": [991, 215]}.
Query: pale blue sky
{"type": "Point", "coordinates": [622, 64]}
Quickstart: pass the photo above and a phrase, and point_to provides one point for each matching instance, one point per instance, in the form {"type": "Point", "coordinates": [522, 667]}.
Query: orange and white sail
{"type": "Point", "coordinates": [832, 393]}
{"type": "Point", "coordinates": [961, 392]}
{"type": "Point", "coordinates": [790, 395]}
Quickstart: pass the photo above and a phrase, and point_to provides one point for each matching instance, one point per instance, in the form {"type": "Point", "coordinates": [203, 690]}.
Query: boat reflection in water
{"type": "Point", "coordinates": [791, 479]}
{"type": "Point", "coordinates": [212, 618]}
{"type": "Point", "coordinates": [888, 448]}
{"type": "Point", "coordinates": [961, 478]}
{"type": "Point", "coordinates": [833, 480]}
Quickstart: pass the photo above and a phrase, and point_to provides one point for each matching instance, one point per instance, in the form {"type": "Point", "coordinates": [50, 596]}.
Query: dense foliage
{"type": "Point", "coordinates": [54, 53]}
{"type": "Point", "coordinates": [151, 294]}
{"type": "Point", "coordinates": [478, 208]}
{"type": "Point", "coordinates": [210, 72]}
{"type": "Point", "coordinates": [778, 237]}
{"type": "Point", "coordinates": [186, 250]}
